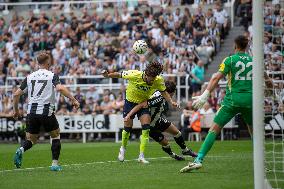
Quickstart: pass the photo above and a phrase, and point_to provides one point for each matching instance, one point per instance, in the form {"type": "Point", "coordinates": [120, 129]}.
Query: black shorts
{"type": "Point", "coordinates": [35, 122]}
{"type": "Point", "coordinates": [128, 106]}
{"type": "Point", "coordinates": [156, 132]}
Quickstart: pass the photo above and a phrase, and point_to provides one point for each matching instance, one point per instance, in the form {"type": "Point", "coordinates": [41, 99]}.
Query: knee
{"type": "Point", "coordinates": [55, 133]}
{"type": "Point", "coordinates": [32, 138]}
{"type": "Point", "coordinates": [215, 128]}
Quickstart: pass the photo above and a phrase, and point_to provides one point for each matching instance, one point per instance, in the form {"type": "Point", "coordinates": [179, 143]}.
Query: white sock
{"type": "Point", "coordinates": [122, 148]}
{"type": "Point", "coordinates": [141, 155]}
{"type": "Point", "coordinates": [22, 149]}
{"type": "Point", "coordinates": [54, 162]}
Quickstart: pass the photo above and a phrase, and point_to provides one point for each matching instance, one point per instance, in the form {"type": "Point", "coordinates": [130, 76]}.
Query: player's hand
{"type": "Point", "coordinates": [104, 73]}
{"type": "Point", "coordinates": [127, 118]}
{"type": "Point", "coordinates": [76, 104]}
{"type": "Point", "coordinates": [199, 101]}
{"type": "Point", "coordinates": [16, 114]}
{"type": "Point", "coordinates": [175, 104]}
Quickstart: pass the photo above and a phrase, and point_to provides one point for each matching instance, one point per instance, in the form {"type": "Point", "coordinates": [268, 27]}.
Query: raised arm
{"type": "Point", "coordinates": [199, 101]}
{"type": "Point", "coordinates": [136, 109]}
{"type": "Point", "coordinates": [168, 98]}
{"type": "Point", "coordinates": [111, 75]}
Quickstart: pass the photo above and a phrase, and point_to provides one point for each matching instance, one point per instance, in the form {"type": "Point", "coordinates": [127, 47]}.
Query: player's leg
{"type": "Point", "coordinates": [160, 138]}
{"type": "Point", "coordinates": [51, 126]}
{"type": "Point", "coordinates": [126, 130]}
{"type": "Point", "coordinates": [247, 116]}
{"type": "Point", "coordinates": [179, 140]}
{"type": "Point", "coordinates": [223, 116]}
{"type": "Point", "coordinates": [124, 139]}
{"type": "Point", "coordinates": [55, 149]}
{"type": "Point", "coordinates": [32, 131]}
{"type": "Point", "coordinates": [145, 119]}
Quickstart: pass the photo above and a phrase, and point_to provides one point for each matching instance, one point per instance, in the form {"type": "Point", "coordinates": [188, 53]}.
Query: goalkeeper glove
{"type": "Point", "coordinates": [199, 101]}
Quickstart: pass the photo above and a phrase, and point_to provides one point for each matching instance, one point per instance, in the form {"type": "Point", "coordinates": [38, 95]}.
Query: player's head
{"type": "Point", "coordinates": [171, 87]}
{"type": "Point", "coordinates": [152, 70]}
{"type": "Point", "coordinates": [241, 43]}
{"type": "Point", "coordinates": [44, 59]}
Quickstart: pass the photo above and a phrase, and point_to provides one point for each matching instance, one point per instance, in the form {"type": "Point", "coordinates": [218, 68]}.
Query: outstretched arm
{"type": "Point", "coordinates": [16, 99]}
{"type": "Point", "coordinates": [111, 75]}
{"type": "Point", "coordinates": [136, 109]}
{"type": "Point", "coordinates": [64, 91]}
{"type": "Point", "coordinates": [199, 101]}
{"type": "Point", "coordinates": [168, 98]}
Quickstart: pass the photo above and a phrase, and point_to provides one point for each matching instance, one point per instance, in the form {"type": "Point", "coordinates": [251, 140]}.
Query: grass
{"type": "Point", "coordinates": [228, 166]}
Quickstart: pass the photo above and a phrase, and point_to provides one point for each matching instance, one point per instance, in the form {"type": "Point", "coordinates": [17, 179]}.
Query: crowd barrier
{"type": "Point", "coordinates": [77, 124]}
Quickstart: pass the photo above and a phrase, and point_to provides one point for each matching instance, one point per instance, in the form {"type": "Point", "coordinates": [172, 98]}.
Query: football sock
{"type": "Point", "coordinates": [125, 137]}
{"type": "Point", "coordinates": [207, 144]}
{"type": "Point", "coordinates": [167, 149]}
{"type": "Point", "coordinates": [26, 145]}
{"type": "Point", "coordinates": [180, 141]}
{"type": "Point", "coordinates": [144, 138]}
{"type": "Point", "coordinates": [55, 148]}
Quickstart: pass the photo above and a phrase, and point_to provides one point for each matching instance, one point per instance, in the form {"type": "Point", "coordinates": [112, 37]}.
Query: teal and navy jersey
{"type": "Point", "coordinates": [238, 69]}
{"type": "Point", "coordinates": [158, 106]}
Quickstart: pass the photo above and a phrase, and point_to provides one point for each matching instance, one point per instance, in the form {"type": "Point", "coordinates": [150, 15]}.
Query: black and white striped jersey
{"type": "Point", "coordinates": [158, 106]}
{"type": "Point", "coordinates": [40, 86]}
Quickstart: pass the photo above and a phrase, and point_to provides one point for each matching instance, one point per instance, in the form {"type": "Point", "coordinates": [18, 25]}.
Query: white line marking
{"type": "Point", "coordinates": [102, 162]}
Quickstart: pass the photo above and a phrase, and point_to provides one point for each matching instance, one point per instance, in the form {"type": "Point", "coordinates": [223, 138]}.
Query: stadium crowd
{"type": "Point", "coordinates": [183, 41]}
{"type": "Point", "coordinates": [273, 63]}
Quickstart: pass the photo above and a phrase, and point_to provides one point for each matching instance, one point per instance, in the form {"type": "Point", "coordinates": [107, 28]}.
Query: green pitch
{"type": "Point", "coordinates": [94, 165]}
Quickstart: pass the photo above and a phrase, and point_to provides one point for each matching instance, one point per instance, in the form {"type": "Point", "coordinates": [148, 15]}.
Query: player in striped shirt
{"type": "Point", "coordinates": [158, 107]}
{"type": "Point", "coordinates": [40, 87]}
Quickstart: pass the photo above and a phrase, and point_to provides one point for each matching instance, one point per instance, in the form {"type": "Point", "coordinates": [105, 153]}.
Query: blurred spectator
{"type": "Point", "coordinates": [80, 97]}
{"type": "Point", "coordinates": [206, 109]}
{"type": "Point", "coordinates": [197, 77]}
{"type": "Point", "coordinates": [93, 93]}
{"type": "Point", "coordinates": [118, 104]}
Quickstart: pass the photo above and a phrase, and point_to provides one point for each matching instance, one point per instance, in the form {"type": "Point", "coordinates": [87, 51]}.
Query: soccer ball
{"type": "Point", "coordinates": [140, 47]}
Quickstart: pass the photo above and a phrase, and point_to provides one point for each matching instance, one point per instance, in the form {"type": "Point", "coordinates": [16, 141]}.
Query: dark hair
{"type": "Point", "coordinates": [42, 57]}
{"type": "Point", "coordinates": [241, 42]}
{"type": "Point", "coordinates": [170, 86]}
{"type": "Point", "coordinates": [154, 69]}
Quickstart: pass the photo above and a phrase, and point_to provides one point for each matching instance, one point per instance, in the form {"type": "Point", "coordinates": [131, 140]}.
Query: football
{"type": "Point", "coordinates": [140, 47]}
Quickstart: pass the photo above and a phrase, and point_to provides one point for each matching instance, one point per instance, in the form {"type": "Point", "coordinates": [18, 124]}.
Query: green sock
{"type": "Point", "coordinates": [207, 144]}
{"type": "Point", "coordinates": [144, 138]}
{"type": "Point", "coordinates": [125, 137]}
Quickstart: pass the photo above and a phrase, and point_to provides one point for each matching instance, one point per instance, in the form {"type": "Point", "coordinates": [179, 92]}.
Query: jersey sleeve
{"type": "Point", "coordinates": [24, 84]}
{"type": "Point", "coordinates": [55, 80]}
{"type": "Point", "coordinates": [160, 84]}
{"type": "Point", "coordinates": [225, 66]}
{"type": "Point", "coordinates": [128, 74]}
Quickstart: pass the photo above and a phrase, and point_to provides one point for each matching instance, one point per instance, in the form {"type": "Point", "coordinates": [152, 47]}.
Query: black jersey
{"type": "Point", "coordinates": [158, 106]}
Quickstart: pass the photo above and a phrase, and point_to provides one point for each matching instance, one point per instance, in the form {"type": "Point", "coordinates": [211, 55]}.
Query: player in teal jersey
{"type": "Point", "coordinates": [238, 99]}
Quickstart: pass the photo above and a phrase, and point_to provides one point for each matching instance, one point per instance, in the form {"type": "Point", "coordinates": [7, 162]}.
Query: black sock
{"type": "Point", "coordinates": [55, 149]}
{"type": "Point", "coordinates": [27, 145]}
{"type": "Point", "coordinates": [180, 141]}
{"type": "Point", "coordinates": [167, 149]}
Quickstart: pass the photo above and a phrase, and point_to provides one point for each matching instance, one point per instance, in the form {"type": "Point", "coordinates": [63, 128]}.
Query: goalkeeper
{"type": "Point", "coordinates": [158, 106]}
{"type": "Point", "coordinates": [238, 99]}
{"type": "Point", "coordinates": [140, 88]}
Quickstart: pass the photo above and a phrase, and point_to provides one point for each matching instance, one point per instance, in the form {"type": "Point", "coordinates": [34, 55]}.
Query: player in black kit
{"type": "Point", "coordinates": [157, 106]}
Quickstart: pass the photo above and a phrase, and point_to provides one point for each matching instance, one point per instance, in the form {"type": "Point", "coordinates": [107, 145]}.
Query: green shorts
{"type": "Point", "coordinates": [227, 112]}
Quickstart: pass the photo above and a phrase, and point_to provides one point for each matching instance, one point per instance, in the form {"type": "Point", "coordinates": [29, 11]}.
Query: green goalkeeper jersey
{"type": "Point", "coordinates": [238, 69]}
